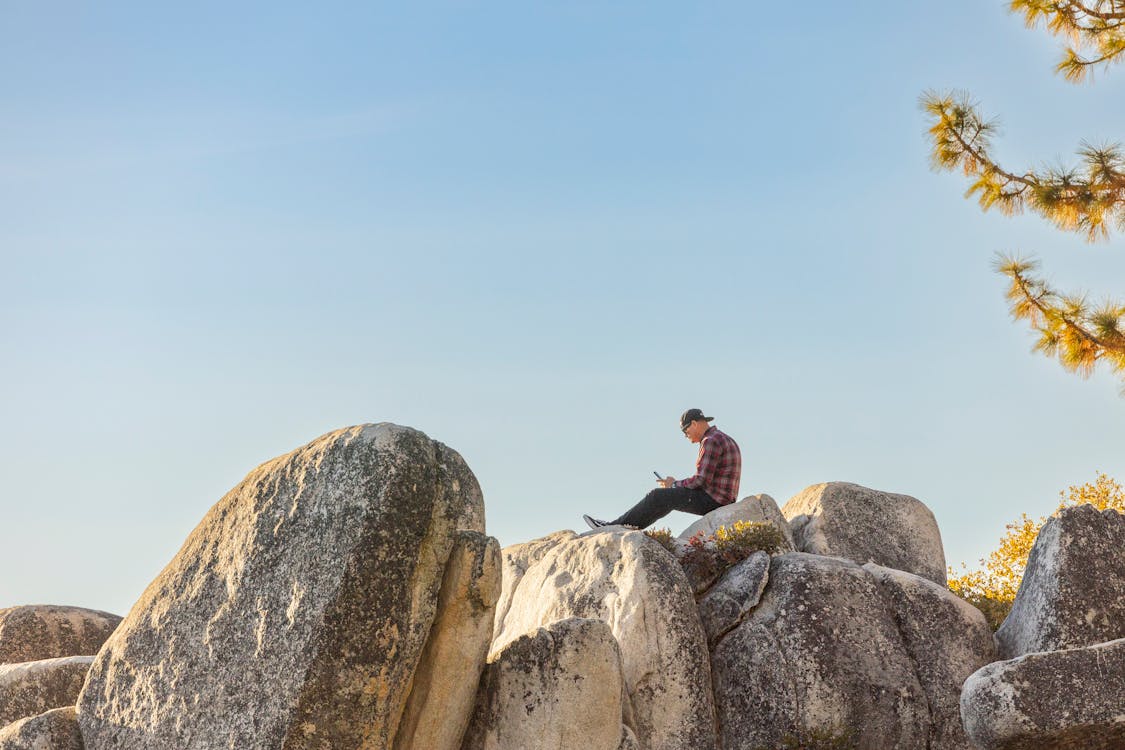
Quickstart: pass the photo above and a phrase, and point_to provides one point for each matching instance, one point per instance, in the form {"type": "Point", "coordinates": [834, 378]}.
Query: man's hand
{"type": "Point", "coordinates": [666, 482]}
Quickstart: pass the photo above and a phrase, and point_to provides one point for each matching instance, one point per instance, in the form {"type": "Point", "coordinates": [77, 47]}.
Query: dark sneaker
{"type": "Point", "coordinates": [593, 523]}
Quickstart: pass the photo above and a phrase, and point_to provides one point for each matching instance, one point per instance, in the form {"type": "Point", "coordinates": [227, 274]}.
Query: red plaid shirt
{"type": "Point", "coordinates": [718, 468]}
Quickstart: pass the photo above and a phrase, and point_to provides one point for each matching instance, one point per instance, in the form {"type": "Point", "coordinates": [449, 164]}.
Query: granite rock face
{"type": "Point", "coordinates": [737, 592]}
{"type": "Point", "coordinates": [1072, 699]}
{"type": "Point", "coordinates": [56, 729]}
{"type": "Point", "coordinates": [33, 687]}
{"type": "Point", "coordinates": [295, 614]}
{"type": "Point", "coordinates": [820, 653]}
{"type": "Point", "coordinates": [44, 631]}
{"type": "Point", "coordinates": [947, 638]}
{"type": "Point", "coordinates": [558, 688]}
{"type": "Point", "coordinates": [638, 588]}
{"type": "Point", "coordinates": [754, 508]}
{"type": "Point", "coordinates": [445, 683]}
{"type": "Point", "coordinates": [846, 520]}
{"type": "Point", "coordinates": [1073, 588]}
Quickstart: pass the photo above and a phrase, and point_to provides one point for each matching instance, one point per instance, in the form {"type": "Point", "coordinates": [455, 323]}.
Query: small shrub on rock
{"type": "Point", "coordinates": [663, 537]}
{"type": "Point", "coordinates": [708, 557]}
{"type": "Point", "coordinates": [743, 538]}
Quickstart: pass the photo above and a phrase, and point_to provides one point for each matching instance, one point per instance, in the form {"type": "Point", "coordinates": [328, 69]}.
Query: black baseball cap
{"type": "Point", "coordinates": [690, 416]}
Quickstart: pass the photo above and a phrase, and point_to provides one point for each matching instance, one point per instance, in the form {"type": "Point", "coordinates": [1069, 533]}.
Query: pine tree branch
{"type": "Point", "coordinates": [1077, 337]}
{"type": "Point", "coordinates": [1088, 202]}
{"type": "Point", "coordinates": [1078, 9]}
{"type": "Point", "coordinates": [1098, 24]}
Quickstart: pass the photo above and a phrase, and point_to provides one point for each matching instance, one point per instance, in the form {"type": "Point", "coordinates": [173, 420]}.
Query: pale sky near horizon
{"type": "Point", "coordinates": [535, 231]}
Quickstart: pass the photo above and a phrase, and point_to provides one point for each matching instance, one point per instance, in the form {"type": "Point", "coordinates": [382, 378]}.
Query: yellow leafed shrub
{"type": "Point", "coordinates": [992, 588]}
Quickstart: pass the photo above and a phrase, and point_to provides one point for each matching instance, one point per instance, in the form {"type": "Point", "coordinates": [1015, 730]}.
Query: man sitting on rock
{"type": "Point", "coordinates": [715, 482]}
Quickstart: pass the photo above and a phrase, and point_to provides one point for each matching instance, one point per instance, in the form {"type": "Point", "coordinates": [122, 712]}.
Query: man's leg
{"type": "Point", "coordinates": [660, 502]}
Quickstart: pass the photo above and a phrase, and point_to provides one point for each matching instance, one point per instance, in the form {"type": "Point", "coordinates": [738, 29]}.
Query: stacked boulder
{"type": "Point", "coordinates": [345, 595]}
{"type": "Point", "coordinates": [1062, 681]}
{"type": "Point", "coordinates": [851, 639]}
{"type": "Point", "coordinates": [829, 640]}
{"type": "Point", "coordinates": [841, 519]}
{"type": "Point", "coordinates": [333, 595]}
{"type": "Point", "coordinates": [636, 588]}
{"type": "Point", "coordinates": [45, 653]}
{"type": "Point", "coordinates": [56, 729]}
{"type": "Point", "coordinates": [561, 686]}
{"type": "Point", "coordinates": [341, 596]}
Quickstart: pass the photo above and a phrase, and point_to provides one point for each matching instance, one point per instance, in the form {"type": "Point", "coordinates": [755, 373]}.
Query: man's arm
{"type": "Point", "coordinates": [705, 465]}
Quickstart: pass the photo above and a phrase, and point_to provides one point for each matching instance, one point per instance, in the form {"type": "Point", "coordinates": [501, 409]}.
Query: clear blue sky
{"type": "Point", "coordinates": [535, 231]}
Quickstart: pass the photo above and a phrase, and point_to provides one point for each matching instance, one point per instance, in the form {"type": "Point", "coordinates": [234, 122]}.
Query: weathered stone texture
{"type": "Point", "coordinates": [558, 688]}
{"type": "Point", "coordinates": [56, 729]}
{"type": "Point", "coordinates": [753, 508]}
{"type": "Point", "coordinates": [296, 612]}
{"type": "Point", "coordinates": [445, 683]}
{"type": "Point", "coordinates": [1073, 699]}
{"type": "Point", "coordinates": [737, 592]}
{"type": "Point", "coordinates": [819, 653]}
{"type": "Point", "coordinates": [1073, 588]}
{"type": "Point", "coordinates": [44, 631]}
{"type": "Point", "coordinates": [639, 589]}
{"type": "Point", "coordinates": [33, 687]}
{"type": "Point", "coordinates": [846, 520]}
{"type": "Point", "coordinates": [947, 638]}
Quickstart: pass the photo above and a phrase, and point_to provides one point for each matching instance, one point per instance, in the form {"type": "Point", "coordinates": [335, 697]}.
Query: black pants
{"type": "Point", "coordinates": [660, 502]}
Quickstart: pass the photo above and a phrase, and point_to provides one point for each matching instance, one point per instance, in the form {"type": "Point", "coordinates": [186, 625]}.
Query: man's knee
{"type": "Point", "coordinates": [661, 498]}
{"type": "Point", "coordinates": [660, 494]}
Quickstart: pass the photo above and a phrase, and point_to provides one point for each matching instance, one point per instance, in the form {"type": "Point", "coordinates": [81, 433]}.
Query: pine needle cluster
{"type": "Point", "coordinates": [1095, 25]}
{"type": "Point", "coordinates": [1088, 198]}
{"type": "Point", "coordinates": [992, 588]}
{"type": "Point", "coordinates": [1071, 329]}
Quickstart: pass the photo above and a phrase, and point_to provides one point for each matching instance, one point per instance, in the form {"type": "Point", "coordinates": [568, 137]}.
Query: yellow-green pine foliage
{"type": "Point", "coordinates": [1077, 333]}
{"type": "Point", "coordinates": [1087, 198]}
{"type": "Point", "coordinates": [1096, 26]}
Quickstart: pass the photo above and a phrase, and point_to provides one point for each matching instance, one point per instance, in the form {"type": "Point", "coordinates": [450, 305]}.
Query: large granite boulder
{"type": "Point", "coordinates": [947, 638]}
{"type": "Point", "coordinates": [559, 687]}
{"type": "Point", "coordinates": [753, 509]}
{"type": "Point", "coordinates": [1073, 699]}
{"type": "Point", "coordinates": [636, 586]}
{"type": "Point", "coordinates": [56, 729]}
{"type": "Point", "coordinates": [445, 683]}
{"type": "Point", "coordinates": [33, 687]}
{"type": "Point", "coordinates": [1073, 588]}
{"type": "Point", "coordinates": [820, 654]}
{"type": "Point", "coordinates": [295, 614]}
{"type": "Point", "coordinates": [865, 525]}
{"type": "Point", "coordinates": [44, 631]}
